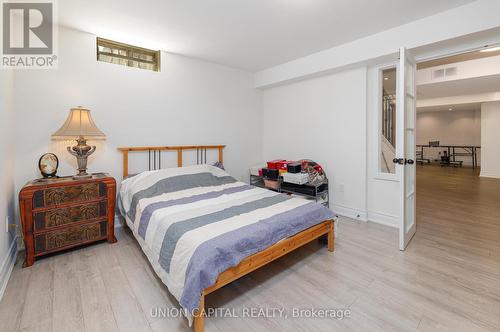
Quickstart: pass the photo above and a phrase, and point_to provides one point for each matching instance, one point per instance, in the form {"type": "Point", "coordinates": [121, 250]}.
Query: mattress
{"type": "Point", "coordinates": [195, 222]}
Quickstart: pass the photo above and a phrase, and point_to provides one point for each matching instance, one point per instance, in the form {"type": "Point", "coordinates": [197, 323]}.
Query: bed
{"type": "Point", "coordinates": [201, 229]}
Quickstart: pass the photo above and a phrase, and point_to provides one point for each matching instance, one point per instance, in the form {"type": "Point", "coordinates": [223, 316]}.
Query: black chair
{"type": "Point", "coordinates": [445, 159]}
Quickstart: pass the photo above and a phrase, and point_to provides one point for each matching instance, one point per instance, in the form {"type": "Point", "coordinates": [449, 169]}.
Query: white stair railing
{"type": "Point", "coordinates": [388, 154]}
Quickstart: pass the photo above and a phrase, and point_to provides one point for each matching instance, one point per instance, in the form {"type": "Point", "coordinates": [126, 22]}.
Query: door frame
{"type": "Point", "coordinates": [374, 174]}
{"type": "Point", "coordinates": [402, 242]}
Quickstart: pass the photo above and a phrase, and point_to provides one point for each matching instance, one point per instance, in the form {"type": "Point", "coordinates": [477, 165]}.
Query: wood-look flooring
{"type": "Point", "coordinates": [447, 280]}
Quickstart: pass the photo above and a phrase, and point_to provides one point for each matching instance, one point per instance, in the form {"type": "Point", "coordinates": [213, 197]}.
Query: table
{"type": "Point", "coordinates": [464, 150]}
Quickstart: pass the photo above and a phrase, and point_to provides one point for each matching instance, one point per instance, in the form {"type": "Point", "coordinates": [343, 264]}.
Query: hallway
{"type": "Point", "coordinates": [458, 233]}
{"type": "Point", "coordinates": [459, 212]}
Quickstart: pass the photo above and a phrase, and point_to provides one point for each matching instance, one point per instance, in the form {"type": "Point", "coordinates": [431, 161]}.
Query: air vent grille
{"type": "Point", "coordinates": [438, 73]}
{"type": "Point", "coordinates": [444, 73]}
{"type": "Point", "coordinates": [450, 71]}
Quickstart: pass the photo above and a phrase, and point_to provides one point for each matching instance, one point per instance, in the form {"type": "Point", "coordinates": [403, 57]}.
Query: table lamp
{"type": "Point", "coordinates": [79, 126]}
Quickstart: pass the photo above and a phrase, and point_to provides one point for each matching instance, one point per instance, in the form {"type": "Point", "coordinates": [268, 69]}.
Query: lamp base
{"type": "Point", "coordinates": [81, 151]}
{"type": "Point", "coordinates": [82, 177]}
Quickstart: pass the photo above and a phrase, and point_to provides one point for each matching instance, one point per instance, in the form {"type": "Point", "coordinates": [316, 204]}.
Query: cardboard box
{"type": "Point", "coordinates": [271, 184]}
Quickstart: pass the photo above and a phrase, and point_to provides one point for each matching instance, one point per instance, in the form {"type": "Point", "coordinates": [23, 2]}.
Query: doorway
{"type": "Point", "coordinates": [457, 173]}
{"type": "Point", "coordinates": [456, 136]}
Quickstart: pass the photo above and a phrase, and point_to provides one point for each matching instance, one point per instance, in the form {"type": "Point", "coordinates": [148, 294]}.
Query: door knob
{"type": "Point", "coordinates": [409, 161]}
{"type": "Point", "coordinates": [400, 161]}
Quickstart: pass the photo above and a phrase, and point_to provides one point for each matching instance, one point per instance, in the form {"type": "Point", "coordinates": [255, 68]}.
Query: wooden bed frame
{"type": "Point", "coordinates": [252, 262]}
{"type": "Point", "coordinates": [200, 149]}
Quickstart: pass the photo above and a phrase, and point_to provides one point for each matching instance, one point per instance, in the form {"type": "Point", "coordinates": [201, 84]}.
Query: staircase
{"type": "Point", "coordinates": [388, 154]}
{"type": "Point", "coordinates": [388, 137]}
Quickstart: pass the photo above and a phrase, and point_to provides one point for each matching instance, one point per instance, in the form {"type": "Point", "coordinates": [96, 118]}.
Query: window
{"type": "Point", "coordinates": [127, 55]}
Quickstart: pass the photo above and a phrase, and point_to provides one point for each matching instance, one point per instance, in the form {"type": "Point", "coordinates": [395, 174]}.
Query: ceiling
{"type": "Point", "coordinates": [248, 34]}
{"type": "Point", "coordinates": [469, 86]}
{"type": "Point", "coordinates": [459, 58]}
{"type": "Point", "coordinates": [451, 108]}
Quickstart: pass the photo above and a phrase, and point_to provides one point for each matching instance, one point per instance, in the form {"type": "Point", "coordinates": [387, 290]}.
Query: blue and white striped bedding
{"type": "Point", "coordinates": [195, 222]}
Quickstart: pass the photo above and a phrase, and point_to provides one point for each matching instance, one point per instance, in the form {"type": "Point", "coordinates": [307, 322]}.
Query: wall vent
{"type": "Point", "coordinates": [450, 71]}
{"type": "Point", "coordinates": [438, 73]}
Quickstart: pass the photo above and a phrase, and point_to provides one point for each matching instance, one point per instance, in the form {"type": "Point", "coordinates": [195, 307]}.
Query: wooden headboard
{"type": "Point", "coordinates": [155, 158]}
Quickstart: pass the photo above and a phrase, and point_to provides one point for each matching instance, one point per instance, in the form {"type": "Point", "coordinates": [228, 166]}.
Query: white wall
{"type": "Point", "coordinates": [7, 194]}
{"type": "Point", "coordinates": [323, 119]}
{"type": "Point", "coordinates": [490, 139]}
{"type": "Point", "coordinates": [188, 102]}
{"type": "Point", "coordinates": [460, 127]}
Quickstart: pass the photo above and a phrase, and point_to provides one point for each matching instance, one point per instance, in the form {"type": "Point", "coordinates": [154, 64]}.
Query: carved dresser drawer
{"type": "Point", "coordinates": [62, 213]}
{"type": "Point", "coordinates": [50, 241]}
{"type": "Point", "coordinates": [70, 194]}
{"type": "Point", "coordinates": [70, 214]}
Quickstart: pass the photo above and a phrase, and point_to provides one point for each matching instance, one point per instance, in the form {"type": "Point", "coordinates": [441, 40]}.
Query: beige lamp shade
{"type": "Point", "coordinates": [79, 124]}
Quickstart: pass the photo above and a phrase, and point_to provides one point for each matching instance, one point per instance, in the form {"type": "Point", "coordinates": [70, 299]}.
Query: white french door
{"type": "Point", "coordinates": [405, 147]}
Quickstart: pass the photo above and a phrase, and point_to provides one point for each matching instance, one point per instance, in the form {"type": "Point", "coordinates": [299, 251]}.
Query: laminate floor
{"type": "Point", "coordinates": [447, 280]}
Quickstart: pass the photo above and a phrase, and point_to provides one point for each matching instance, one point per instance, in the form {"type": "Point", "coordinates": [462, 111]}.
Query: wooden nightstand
{"type": "Point", "coordinates": [62, 213]}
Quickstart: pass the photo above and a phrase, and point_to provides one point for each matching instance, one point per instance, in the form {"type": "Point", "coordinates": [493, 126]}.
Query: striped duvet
{"type": "Point", "coordinates": [195, 222]}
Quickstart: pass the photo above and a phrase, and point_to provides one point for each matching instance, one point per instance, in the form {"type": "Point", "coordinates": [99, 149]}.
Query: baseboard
{"type": "Point", "coordinates": [489, 175]}
{"type": "Point", "coordinates": [7, 266]}
{"type": "Point", "coordinates": [349, 212]}
{"type": "Point", "coordinates": [383, 219]}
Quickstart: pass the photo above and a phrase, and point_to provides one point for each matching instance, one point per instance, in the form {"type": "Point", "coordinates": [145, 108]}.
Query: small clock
{"type": "Point", "coordinates": [48, 164]}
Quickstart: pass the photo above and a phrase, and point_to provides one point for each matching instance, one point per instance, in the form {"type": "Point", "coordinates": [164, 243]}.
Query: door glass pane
{"type": "Point", "coordinates": [387, 131]}
{"type": "Point", "coordinates": [410, 212]}
{"type": "Point", "coordinates": [410, 112]}
{"type": "Point", "coordinates": [410, 79]}
{"type": "Point", "coordinates": [410, 154]}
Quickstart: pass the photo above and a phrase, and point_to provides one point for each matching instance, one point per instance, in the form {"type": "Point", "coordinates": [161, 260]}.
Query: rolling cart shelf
{"type": "Point", "coordinates": [319, 193]}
